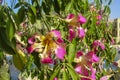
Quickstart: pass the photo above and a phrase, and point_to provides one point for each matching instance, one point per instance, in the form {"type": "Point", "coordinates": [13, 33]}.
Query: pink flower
{"type": "Point", "coordinates": [47, 60]}
{"type": "Point", "coordinates": [75, 20]}
{"type": "Point", "coordinates": [81, 32]}
{"type": "Point", "coordinates": [81, 19]}
{"type": "Point", "coordinates": [98, 43]}
{"type": "Point", "coordinates": [84, 64]}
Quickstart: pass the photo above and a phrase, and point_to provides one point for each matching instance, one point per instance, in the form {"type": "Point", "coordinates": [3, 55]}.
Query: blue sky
{"type": "Point", "coordinates": [115, 8]}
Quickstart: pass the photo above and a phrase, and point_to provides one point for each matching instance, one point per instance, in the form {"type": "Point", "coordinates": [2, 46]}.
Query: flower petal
{"type": "Point", "coordinates": [82, 19]}
{"type": "Point", "coordinates": [31, 40]}
{"type": "Point", "coordinates": [79, 53]}
{"type": "Point", "coordinates": [60, 52]}
{"type": "Point", "coordinates": [81, 32]}
{"type": "Point", "coordinates": [47, 60]}
{"type": "Point", "coordinates": [30, 49]}
{"type": "Point", "coordinates": [70, 16]}
{"type": "Point", "coordinates": [57, 34]}
{"type": "Point", "coordinates": [102, 46]}
{"type": "Point", "coordinates": [72, 34]}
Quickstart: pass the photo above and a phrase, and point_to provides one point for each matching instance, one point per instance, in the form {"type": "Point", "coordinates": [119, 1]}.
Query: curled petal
{"type": "Point", "coordinates": [81, 32]}
{"type": "Point", "coordinates": [72, 34]}
{"type": "Point", "coordinates": [60, 52]}
{"type": "Point", "coordinates": [47, 60]}
{"type": "Point", "coordinates": [31, 40]}
{"type": "Point", "coordinates": [82, 19]}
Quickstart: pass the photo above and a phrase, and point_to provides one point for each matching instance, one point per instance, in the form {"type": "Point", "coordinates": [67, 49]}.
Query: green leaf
{"type": "Point", "coordinates": [71, 52]}
{"type": "Point", "coordinates": [19, 60]}
{"type": "Point", "coordinates": [72, 72]}
{"type": "Point", "coordinates": [65, 77]}
{"type": "Point", "coordinates": [5, 44]}
{"type": "Point", "coordinates": [55, 72]}
{"type": "Point", "coordinates": [10, 30]}
{"type": "Point", "coordinates": [33, 10]}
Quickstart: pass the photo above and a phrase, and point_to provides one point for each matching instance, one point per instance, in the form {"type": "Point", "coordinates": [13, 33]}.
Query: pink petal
{"type": "Point", "coordinates": [82, 19]}
{"type": "Point", "coordinates": [30, 49]}
{"type": "Point", "coordinates": [79, 53]}
{"type": "Point", "coordinates": [70, 16]}
{"type": "Point", "coordinates": [31, 40]}
{"type": "Point", "coordinates": [102, 46]}
{"type": "Point", "coordinates": [78, 69]}
{"type": "Point", "coordinates": [96, 43]}
{"type": "Point", "coordinates": [93, 72]}
{"type": "Point", "coordinates": [81, 32]}
{"type": "Point", "coordinates": [95, 58]}
{"type": "Point", "coordinates": [92, 57]}
{"type": "Point", "coordinates": [60, 52]}
{"type": "Point", "coordinates": [47, 60]}
{"type": "Point", "coordinates": [72, 34]}
{"type": "Point", "coordinates": [58, 35]}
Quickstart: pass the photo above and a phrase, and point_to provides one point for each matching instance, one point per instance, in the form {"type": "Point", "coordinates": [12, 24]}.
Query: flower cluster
{"type": "Point", "coordinates": [46, 45]}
